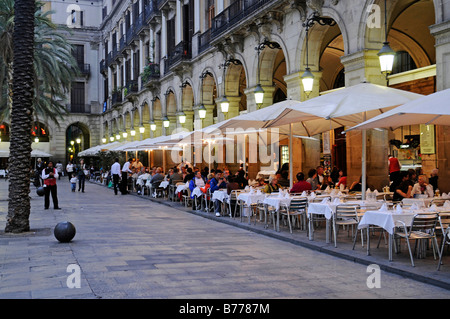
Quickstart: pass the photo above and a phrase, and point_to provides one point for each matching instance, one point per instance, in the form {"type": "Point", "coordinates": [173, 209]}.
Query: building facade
{"type": "Point", "coordinates": [151, 60]}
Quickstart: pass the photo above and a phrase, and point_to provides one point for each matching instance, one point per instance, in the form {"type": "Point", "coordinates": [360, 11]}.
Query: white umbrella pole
{"type": "Point", "coordinates": [363, 163]}
{"type": "Point", "coordinates": [291, 164]}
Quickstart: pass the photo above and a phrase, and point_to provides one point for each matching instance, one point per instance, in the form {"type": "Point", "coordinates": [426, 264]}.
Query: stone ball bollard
{"type": "Point", "coordinates": [40, 191]}
{"type": "Point", "coordinates": [64, 232]}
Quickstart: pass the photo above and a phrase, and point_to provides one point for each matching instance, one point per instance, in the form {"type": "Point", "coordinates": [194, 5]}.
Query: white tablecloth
{"type": "Point", "coordinates": [251, 198]}
{"type": "Point", "coordinates": [220, 195]}
{"type": "Point", "coordinates": [276, 201]}
{"type": "Point", "coordinates": [164, 184]}
{"type": "Point", "coordinates": [197, 192]}
{"type": "Point", "coordinates": [386, 219]}
{"type": "Point", "coordinates": [181, 188]}
{"type": "Point", "coordinates": [421, 202]}
{"type": "Point", "coordinates": [327, 209]}
{"type": "Point", "coordinates": [365, 203]}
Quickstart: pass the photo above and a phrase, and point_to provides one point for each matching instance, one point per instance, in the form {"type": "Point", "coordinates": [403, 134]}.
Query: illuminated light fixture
{"type": "Point", "coordinates": [111, 138]}
{"type": "Point", "coordinates": [386, 55]}
{"type": "Point", "coordinates": [202, 112]}
{"type": "Point", "coordinates": [125, 134]}
{"type": "Point", "coordinates": [36, 139]}
{"type": "Point", "coordinates": [182, 117]}
{"type": "Point", "coordinates": [259, 94]}
{"type": "Point", "coordinates": [117, 136]}
{"type": "Point", "coordinates": [104, 140]}
{"type": "Point", "coordinates": [152, 125]}
{"type": "Point", "coordinates": [308, 81]}
{"type": "Point", "coordinates": [78, 140]}
{"type": "Point", "coordinates": [71, 142]}
{"type": "Point", "coordinates": [133, 132]}
{"type": "Point", "coordinates": [141, 129]}
{"type": "Point", "coordinates": [166, 121]}
{"type": "Point", "coordinates": [224, 104]}
{"type": "Point", "coordinates": [308, 77]}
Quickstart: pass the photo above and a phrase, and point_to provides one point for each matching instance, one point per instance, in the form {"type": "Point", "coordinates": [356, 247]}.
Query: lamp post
{"type": "Point", "coordinates": [202, 108]}
{"type": "Point", "coordinates": [259, 91]}
{"type": "Point", "coordinates": [386, 55]}
{"type": "Point", "coordinates": [308, 77]}
{"type": "Point", "coordinates": [223, 102]}
{"type": "Point", "coordinates": [152, 125]}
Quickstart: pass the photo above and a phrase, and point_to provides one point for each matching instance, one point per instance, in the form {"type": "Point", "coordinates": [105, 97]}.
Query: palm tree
{"type": "Point", "coordinates": [36, 70]}
{"type": "Point", "coordinates": [54, 64]}
{"type": "Point", "coordinates": [21, 117]}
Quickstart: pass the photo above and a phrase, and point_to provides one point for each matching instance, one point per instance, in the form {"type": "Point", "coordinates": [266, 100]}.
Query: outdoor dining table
{"type": "Point", "coordinates": [164, 184]}
{"type": "Point", "coordinates": [277, 201]}
{"type": "Point", "coordinates": [220, 194]}
{"type": "Point", "coordinates": [388, 220]}
{"type": "Point", "coordinates": [326, 209]}
{"type": "Point", "coordinates": [420, 202]}
{"type": "Point", "coordinates": [181, 188]}
{"type": "Point", "coordinates": [251, 198]}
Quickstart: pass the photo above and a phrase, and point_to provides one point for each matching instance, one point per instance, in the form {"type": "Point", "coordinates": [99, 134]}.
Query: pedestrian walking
{"type": "Point", "coordinates": [126, 169]}
{"type": "Point", "coordinates": [69, 169]}
{"type": "Point", "coordinates": [59, 168]}
{"type": "Point", "coordinates": [81, 173]}
{"type": "Point", "coordinates": [115, 172]}
{"type": "Point", "coordinates": [49, 175]}
{"type": "Point", "coordinates": [73, 182]}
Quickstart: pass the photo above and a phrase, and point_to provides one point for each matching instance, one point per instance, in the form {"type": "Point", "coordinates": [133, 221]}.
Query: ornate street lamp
{"type": "Point", "coordinates": [259, 91]}
{"type": "Point", "coordinates": [386, 54]}
{"type": "Point", "coordinates": [223, 102]}
{"type": "Point", "coordinates": [308, 77]}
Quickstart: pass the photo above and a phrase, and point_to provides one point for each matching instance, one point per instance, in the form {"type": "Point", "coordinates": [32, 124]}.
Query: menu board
{"type": "Point", "coordinates": [427, 141]}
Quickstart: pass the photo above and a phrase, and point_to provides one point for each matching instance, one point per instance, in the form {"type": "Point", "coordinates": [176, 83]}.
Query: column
{"type": "Point", "coordinates": [365, 66]}
{"type": "Point", "coordinates": [163, 34]}
{"type": "Point", "coordinates": [441, 32]}
{"type": "Point", "coordinates": [268, 98]}
{"type": "Point", "coordinates": [197, 9]}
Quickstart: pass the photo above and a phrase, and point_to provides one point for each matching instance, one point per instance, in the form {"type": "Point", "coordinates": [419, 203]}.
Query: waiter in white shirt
{"type": "Point", "coordinates": [125, 170]}
{"type": "Point", "coordinates": [115, 173]}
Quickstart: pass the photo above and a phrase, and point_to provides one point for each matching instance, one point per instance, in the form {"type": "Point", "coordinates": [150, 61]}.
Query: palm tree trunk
{"type": "Point", "coordinates": [21, 117]}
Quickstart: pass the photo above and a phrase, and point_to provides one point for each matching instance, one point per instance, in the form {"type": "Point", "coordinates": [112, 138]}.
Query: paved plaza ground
{"type": "Point", "coordinates": [131, 247]}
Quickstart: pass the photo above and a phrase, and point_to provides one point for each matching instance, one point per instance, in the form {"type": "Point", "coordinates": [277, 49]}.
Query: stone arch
{"type": "Point", "coordinates": [208, 87]}
{"type": "Point", "coordinates": [403, 35]}
{"type": "Point", "coordinates": [171, 102]}
{"type": "Point", "coordinates": [236, 83]}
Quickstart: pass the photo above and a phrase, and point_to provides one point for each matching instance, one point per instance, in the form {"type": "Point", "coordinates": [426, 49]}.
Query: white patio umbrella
{"type": "Point", "coordinates": [345, 107]}
{"type": "Point", "coordinates": [92, 151]}
{"type": "Point", "coordinates": [429, 109]}
{"type": "Point", "coordinates": [34, 153]}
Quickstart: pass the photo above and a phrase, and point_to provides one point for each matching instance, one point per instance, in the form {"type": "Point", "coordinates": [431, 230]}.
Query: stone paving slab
{"type": "Point", "coordinates": [131, 247]}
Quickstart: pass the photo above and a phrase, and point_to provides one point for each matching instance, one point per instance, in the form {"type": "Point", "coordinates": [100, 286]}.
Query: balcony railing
{"type": "Point", "coordinates": [237, 11]}
{"type": "Point", "coordinates": [85, 69]}
{"type": "Point", "coordinates": [131, 87]}
{"type": "Point", "coordinates": [181, 52]}
{"type": "Point", "coordinates": [79, 108]}
{"type": "Point", "coordinates": [151, 72]}
{"type": "Point", "coordinates": [204, 41]}
{"type": "Point", "coordinates": [150, 10]}
{"type": "Point", "coordinates": [116, 98]}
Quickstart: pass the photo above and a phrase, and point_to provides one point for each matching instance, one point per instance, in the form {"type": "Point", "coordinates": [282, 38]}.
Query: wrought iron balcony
{"type": "Point", "coordinates": [182, 52]}
{"type": "Point", "coordinates": [131, 87]}
{"type": "Point", "coordinates": [238, 11]}
{"type": "Point", "coordinates": [204, 41]}
{"type": "Point", "coordinates": [79, 108]}
{"type": "Point", "coordinates": [85, 69]}
{"type": "Point", "coordinates": [116, 98]}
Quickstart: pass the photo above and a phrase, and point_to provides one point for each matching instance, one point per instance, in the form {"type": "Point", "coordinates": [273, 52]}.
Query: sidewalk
{"type": "Point", "coordinates": [132, 247]}
{"type": "Point", "coordinates": [424, 270]}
